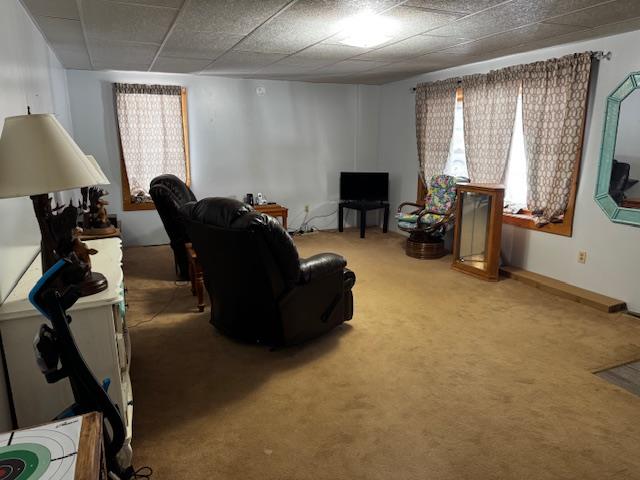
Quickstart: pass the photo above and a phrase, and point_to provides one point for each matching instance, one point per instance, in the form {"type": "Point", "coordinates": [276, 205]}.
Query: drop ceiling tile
{"type": "Point", "coordinates": [74, 59]}
{"type": "Point", "coordinates": [128, 53]}
{"type": "Point", "coordinates": [118, 66]}
{"type": "Point", "coordinates": [53, 8]}
{"type": "Point", "coordinates": [158, 3]}
{"type": "Point", "coordinates": [411, 47]}
{"type": "Point", "coordinates": [237, 17]}
{"type": "Point", "coordinates": [349, 66]}
{"type": "Point", "coordinates": [517, 36]}
{"type": "Point", "coordinates": [288, 69]}
{"type": "Point", "coordinates": [597, 32]}
{"type": "Point", "coordinates": [618, 27]}
{"type": "Point", "coordinates": [194, 44]}
{"type": "Point", "coordinates": [61, 32]}
{"type": "Point", "coordinates": [458, 6]}
{"type": "Point", "coordinates": [329, 51]}
{"type": "Point", "coordinates": [601, 15]}
{"type": "Point", "coordinates": [234, 63]}
{"type": "Point", "coordinates": [306, 22]}
{"type": "Point", "coordinates": [179, 65]}
{"type": "Point", "coordinates": [409, 21]}
{"type": "Point", "coordinates": [306, 62]}
{"type": "Point", "coordinates": [412, 21]}
{"type": "Point", "coordinates": [509, 15]}
{"type": "Point", "coordinates": [126, 22]}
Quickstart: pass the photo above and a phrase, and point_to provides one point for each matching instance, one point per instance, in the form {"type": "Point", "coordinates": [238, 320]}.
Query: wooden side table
{"type": "Point", "coordinates": [274, 210]}
{"type": "Point", "coordinates": [195, 275]}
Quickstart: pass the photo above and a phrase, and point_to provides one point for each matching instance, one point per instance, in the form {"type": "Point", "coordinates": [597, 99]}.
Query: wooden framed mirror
{"type": "Point", "coordinates": [618, 187]}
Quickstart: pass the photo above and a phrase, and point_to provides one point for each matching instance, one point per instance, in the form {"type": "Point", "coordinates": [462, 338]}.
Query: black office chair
{"type": "Point", "coordinates": [169, 193]}
{"type": "Point", "coordinates": [260, 290]}
{"type": "Point", "coordinates": [620, 181]}
{"type": "Point", "coordinates": [58, 357]}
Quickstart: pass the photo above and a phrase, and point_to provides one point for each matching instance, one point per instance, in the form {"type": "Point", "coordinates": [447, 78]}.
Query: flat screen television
{"type": "Point", "coordinates": [364, 186]}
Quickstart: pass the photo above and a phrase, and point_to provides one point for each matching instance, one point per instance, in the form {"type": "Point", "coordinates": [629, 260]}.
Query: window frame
{"type": "Point", "coordinates": [127, 204]}
{"type": "Point", "coordinates": [526, 219]}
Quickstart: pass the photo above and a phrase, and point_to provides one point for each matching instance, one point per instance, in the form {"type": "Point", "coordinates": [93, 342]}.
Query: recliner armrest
{"type": "Point", "coordinates": [319, 265]}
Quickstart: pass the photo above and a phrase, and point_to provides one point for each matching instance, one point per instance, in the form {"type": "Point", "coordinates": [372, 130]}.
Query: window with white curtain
{"type": "Point", "coordinates": [153, 138]}
{"type": "Point", "coordinates": [457, 162]}
{"type": "Point", "coordinates": [515, 194]}
{"type": "Point", "coordinates": [516, 175]}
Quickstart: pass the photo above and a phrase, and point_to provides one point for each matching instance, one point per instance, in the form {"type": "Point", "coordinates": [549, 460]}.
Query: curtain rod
{"type": "Point", "coordinates": [599, 55]}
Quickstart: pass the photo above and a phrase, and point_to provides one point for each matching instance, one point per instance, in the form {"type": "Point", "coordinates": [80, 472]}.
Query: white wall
{"type": "Point", "coordinates": [289, 144]}
{"type": "Point", "coordinates": [30, 75]}
{"type": "Point", "coordinates": [613, 250]}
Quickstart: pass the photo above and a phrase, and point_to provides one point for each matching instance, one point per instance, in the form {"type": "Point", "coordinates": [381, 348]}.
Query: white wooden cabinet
{"type": "Point", "coordinates": [99, 328]}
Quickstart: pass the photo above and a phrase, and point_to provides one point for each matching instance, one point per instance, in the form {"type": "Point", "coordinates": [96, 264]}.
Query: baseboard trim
{"type": "Point", "coordinates": [564, 290]}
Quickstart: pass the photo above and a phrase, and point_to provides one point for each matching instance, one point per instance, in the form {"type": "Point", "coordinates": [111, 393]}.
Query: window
{"type": "Point", "coordinates": [154, 140]}
{"type": "Point", "coordinates": [457, 162]}
{"type": "Point", "coordinates": [515, 199]}
{"type": "Point", "coordinates": [515, 195]}
{"type": "Point", "coordinates": [516, 176]}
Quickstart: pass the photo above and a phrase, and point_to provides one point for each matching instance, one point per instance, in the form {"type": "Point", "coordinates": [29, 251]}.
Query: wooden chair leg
{"type": "Point", "coordinates": [192, 276]}
{"type": "Point", "coordinates": [199, 280]}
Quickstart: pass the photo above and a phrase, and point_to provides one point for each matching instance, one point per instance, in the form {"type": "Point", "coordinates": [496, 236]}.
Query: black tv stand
{"type": "Point", "coordinates": [363, 207]}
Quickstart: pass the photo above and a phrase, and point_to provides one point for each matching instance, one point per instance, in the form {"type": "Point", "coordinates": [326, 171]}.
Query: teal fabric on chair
{"type": "Point", "coordinates": [428, 222]}
{"type": "Point", "coordinates": [439, 203]}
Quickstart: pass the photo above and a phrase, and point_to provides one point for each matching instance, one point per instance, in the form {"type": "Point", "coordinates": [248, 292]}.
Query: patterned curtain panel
{"type": "Point", "coordinates": [489, 114]}
{"type": "Point", "coordinates": [554, 104]}
{"type": "Point", "coordinates": [151, 133]}
{"type": "Point", "coordinates": [435, 108]}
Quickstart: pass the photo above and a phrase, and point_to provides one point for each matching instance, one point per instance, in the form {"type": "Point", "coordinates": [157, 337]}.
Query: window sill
{"type": "Point", "coordinates": [564, 228]}
{"type": "Point", "coordinates": [136, 207]}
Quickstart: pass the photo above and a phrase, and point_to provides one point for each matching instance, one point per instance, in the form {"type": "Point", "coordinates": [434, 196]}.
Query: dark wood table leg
{"type": "Point", "coordinates": [385, 221]}
{"type": "Point", "coordinates": [192, 272]}
{"type": "Point", "coordinates": [340, 218]}
{"type": "Point", "coordinates": [363, 221]}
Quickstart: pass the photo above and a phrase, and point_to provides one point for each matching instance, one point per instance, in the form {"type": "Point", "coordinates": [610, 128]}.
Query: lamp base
{"type": "Point", "coordinates": [93, 283]}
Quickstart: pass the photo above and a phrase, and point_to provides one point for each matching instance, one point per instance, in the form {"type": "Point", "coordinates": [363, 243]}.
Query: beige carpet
{"type": "Point", "coordinates": [438, 376]}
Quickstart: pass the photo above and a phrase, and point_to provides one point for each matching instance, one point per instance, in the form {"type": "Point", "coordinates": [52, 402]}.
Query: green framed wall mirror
{"type": "Point", "coordinates": [618, 188]}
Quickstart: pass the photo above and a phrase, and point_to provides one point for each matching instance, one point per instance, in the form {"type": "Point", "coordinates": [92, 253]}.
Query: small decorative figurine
{"type": "Point", "coordinates": [95, 219]}
{"type": "Point", "coordinates": [80, 249]}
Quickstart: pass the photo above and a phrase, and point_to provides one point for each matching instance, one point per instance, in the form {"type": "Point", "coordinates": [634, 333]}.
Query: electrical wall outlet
{"type": "Point", "coordinates": [306, 209]}
{"type": "Point", "coordinates": [582, 256]}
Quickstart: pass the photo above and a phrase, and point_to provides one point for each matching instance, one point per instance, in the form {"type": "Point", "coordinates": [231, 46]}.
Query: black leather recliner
{"type": "Point", "coordinates": [169, 193]}
{"type": "Point", "coordinates": [260, 290]}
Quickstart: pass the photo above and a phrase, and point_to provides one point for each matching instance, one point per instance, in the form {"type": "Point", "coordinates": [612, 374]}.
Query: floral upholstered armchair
{"type": "Point", "coordinates": [428, 223]}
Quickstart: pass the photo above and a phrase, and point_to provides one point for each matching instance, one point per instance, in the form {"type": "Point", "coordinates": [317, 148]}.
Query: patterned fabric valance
{"type": "Point", "coordinates": [147, 89]}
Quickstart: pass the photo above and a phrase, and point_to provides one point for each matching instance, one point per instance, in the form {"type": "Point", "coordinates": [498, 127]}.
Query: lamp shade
{"type": "Point", "coordinates": [38, 156]}
{"type": "Point", "coordinates": [103, 178]}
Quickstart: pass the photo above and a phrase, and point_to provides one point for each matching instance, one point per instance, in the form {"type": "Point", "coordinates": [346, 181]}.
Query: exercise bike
{"type": "Point", "coordinates": [58, 357]}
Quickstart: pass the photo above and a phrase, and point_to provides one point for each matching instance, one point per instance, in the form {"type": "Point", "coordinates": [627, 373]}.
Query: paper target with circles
{"type": "Point", "coordinates": [47, 452]}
